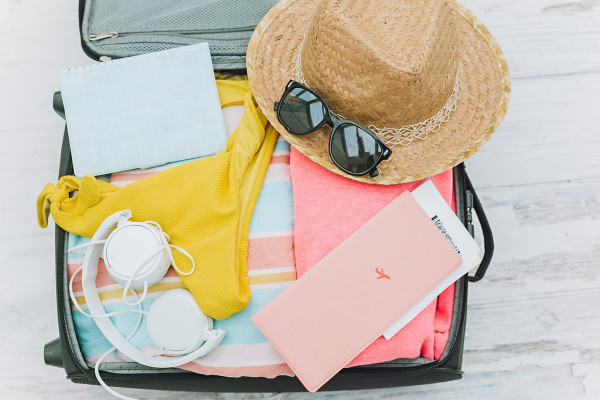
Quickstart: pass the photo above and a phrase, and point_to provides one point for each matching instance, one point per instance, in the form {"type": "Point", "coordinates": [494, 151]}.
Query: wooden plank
{"type": "Point", "coordinates": [551, 133]}
{"type": "Point", "coordinates": [40, 38]}
{"type": "Point", "coordinates": [532, 221]}
{"type": "Point", "coordinates": [535, 309]}
{"type": "Point", "coordinates": [544, 37]}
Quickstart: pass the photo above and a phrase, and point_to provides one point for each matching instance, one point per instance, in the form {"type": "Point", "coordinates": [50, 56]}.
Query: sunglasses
{"type": "Point", "coordinates": [352, 147]}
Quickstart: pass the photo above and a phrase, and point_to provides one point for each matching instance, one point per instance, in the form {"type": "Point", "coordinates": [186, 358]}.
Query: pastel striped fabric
{"type": "Point", "coordinates": [271, 268]}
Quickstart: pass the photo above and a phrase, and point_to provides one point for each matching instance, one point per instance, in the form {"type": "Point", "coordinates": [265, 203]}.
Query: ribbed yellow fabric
{"type": "Point", "coordinates": [204, 205]}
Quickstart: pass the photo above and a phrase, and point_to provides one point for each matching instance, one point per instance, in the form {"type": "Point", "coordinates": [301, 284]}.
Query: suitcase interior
{"type": "Point", "coordinates": [117, 28]}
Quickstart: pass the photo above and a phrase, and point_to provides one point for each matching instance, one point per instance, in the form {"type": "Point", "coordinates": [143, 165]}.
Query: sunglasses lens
{"type": "Point", "coordinates": [354, 149]}
{"type": "Point", "coordinates": [301, 111]}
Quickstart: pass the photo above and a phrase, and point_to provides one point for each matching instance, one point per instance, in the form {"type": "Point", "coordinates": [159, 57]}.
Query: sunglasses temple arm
{"type": "Point", "coordinates": [276, 105]}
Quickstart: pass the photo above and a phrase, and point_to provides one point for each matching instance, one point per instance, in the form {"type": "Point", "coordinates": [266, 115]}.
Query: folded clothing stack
{"type": "Point", "coordinates": [328, 208]}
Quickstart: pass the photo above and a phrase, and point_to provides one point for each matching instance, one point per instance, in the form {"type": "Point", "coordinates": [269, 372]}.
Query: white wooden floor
{"type": "Point", "coordinates": [533, 328]}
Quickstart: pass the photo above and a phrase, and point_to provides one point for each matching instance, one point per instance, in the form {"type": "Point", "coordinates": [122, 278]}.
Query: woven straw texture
{"type": "Point", "coordinates": [387, 64]}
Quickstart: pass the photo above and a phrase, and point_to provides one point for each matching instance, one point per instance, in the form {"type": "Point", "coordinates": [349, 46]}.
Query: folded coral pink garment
{"type": "Point", "coordinates": [327, 209]}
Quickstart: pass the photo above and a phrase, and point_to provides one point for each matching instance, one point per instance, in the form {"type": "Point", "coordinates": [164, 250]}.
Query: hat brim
{"type": "Point", "coordinates": [484, 94]}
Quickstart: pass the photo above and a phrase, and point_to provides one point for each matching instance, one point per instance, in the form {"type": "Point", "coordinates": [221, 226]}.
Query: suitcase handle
{"type": "Point", "coordinates": [488, 238]}
{"type": "Point", "coordinates": [58, 105]}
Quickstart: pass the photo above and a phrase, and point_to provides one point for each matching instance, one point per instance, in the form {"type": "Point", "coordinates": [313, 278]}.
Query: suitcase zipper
{"type": "Point", "coordinates": [101, 36]}
{"type": "Point", "coordinates": [114, 34]}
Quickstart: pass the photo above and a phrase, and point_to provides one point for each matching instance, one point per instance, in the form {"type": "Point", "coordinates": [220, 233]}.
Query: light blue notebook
{"type": "Point", "coordinates": [143, 111]}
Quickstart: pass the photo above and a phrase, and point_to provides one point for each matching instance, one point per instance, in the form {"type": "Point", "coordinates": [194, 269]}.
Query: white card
{"type": "Point", "coordinates": [453, 229]}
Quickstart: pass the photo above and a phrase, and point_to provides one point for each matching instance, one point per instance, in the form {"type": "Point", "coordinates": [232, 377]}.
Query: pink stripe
{"type": "Point", "coordinates": [102, 279]}
{"type": "Point", "coordinates": [278, 173]}
{"type": "Point", "coordinates": [271, 252]}
{"type": "Point", "coordinates": [267, 371]}
{"type": "Point", "coordinates": [283, 159]}
{"type": "Point", "coordinates": [120, 177]}
{"type": "Point", "coordinates": [135, 176]}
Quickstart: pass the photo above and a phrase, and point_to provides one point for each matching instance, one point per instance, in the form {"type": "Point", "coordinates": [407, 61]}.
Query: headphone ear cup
{"type": "Point", "coordinates": [176, 323]}
{"type": "Point", "coordinates": [134, 249]}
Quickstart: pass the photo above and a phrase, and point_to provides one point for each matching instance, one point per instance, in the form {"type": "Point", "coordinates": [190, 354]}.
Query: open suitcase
{"type": "Point", "coordinates": [112, 28]}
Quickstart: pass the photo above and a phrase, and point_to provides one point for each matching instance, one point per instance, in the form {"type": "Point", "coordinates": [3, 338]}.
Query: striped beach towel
{"type": "Point", "coordinates": [271, 268]}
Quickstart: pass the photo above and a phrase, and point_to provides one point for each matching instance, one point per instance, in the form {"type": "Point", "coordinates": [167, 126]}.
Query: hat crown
{"type": "Point", "coordinates": [384, 63]}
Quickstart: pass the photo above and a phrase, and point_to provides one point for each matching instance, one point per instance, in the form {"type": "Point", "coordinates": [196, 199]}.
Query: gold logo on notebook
{"type": "Point", "coordinates": [381, 274]}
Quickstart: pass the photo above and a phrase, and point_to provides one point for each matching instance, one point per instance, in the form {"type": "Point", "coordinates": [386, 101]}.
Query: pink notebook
{"type": "Point", "coordinates": [357, 291]}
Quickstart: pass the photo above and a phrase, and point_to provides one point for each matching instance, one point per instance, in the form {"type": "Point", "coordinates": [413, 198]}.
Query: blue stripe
{"type": "Point", "coordinates": [281, 145]}
{"type": "Point", "coordinates": [92, 340]}
{"type": "Point", "coordinates": [239, 327]}
{"type": "Point", "coordinates": [75, 240]}
{"type": "Point", "coordinates": [274, 209]}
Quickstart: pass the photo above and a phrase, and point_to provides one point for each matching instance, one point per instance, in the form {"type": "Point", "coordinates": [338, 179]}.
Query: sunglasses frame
{"type": "Point", "coordinates": [334, 122]}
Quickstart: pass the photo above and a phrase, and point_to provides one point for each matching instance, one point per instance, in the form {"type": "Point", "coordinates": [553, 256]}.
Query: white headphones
{"type": "Point", "coordinates": [137, 255]}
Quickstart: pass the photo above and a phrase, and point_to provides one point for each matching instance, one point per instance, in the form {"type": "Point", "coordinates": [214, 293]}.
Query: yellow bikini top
{"type": "Point", "coordinates": [204, 205]}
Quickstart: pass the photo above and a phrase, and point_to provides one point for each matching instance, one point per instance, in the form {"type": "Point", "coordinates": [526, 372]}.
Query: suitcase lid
{"type": "Point", "coordinates": [117, 28]}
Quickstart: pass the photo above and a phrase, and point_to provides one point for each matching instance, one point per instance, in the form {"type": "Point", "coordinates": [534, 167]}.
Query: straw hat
{"type": "Point", "coordinates": [426, 76]}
